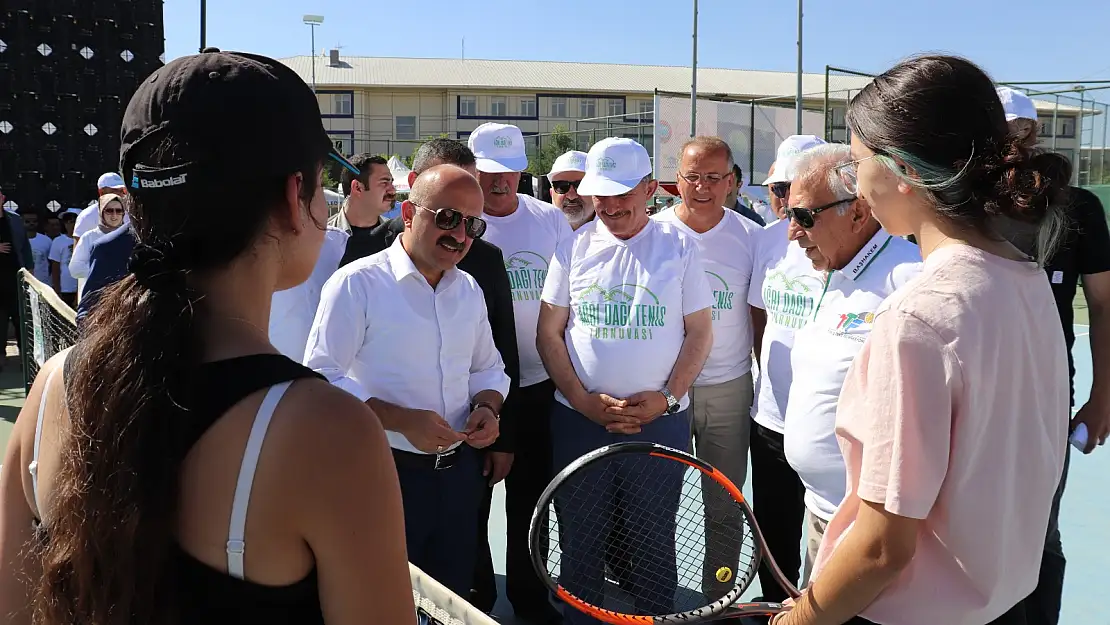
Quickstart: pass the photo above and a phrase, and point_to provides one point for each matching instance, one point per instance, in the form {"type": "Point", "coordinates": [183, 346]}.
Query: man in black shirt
{"type": "Point", "coordinates": [486, 264]}
{"type": "Point", "coordinates": [1083, 255]}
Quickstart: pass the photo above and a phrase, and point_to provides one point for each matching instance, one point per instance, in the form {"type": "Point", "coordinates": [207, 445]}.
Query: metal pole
{"type": "Point", "coordinates": [798, 103]}
{"type": "Point", "coordinates": [694, 79]}
{"type": "Point", "coordinates": [313, 27]}
{"type": "Point", "coordinates": [203, 20]}
{"type": "Point", "coordinates": [828, 123]}
{"type": "Point", "coordinates": [1102, 153]}
{"type": "Point", "coordinates": [1055, 114]}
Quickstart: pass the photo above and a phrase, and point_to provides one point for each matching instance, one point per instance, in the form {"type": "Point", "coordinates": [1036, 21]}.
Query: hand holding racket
{"type": "Point", "coordinates": [642, 505]}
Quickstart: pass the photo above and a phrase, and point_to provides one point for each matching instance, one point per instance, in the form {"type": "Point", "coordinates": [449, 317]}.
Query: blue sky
{"type": "Point", "coordinates": [1016, 40]}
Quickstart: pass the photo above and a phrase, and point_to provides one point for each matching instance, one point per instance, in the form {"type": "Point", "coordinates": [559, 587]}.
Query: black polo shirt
{"type": "Point", "coordinates": [1085, 251]}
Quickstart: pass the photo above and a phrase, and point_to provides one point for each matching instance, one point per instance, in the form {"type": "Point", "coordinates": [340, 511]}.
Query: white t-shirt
{"type": "Point", "coordinates": [40, 251]}
{"type": "Point", "coordinates": [528, 239]}
{"type": "Point", "coordinates": [785, 285]}
{"type": "Point", "coordinates": [727, 254]}
{"type": "Point", "coordinates": [292, 310]}
{"type": "Point", "coordinates": [823, 351]}
{"type": "Point", "coordinates": [627, 300]}
{"type": "Point", "coordinates": [61, 251]}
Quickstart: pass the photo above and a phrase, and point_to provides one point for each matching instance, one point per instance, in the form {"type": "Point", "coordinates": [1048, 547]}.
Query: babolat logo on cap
{"type": "Point", "coordinates": [502, 142]}
{"type": "Point", "coordinates": [606, 163]}
{"type": "Point", "coordinates": [161, 183]}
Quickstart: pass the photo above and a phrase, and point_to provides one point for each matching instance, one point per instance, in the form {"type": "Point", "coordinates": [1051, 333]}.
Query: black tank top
{"type": "Point", "coordinates": [207, 595]}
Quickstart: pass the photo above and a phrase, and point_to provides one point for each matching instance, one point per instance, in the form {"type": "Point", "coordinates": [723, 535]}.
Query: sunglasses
{"type": "Point", "coordinates": [562, 187]}
{"type": "Point", "coordinates": [449, 219]}
{"type": "Point", "coordinates": [804, 216]}
{"type": "Point", "coordinates": [781, 189]}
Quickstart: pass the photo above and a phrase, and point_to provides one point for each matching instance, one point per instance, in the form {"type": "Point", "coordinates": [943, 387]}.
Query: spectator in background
{"type": "Point", "coordinates": [52, 227]}
{"type": "Point", "coordinates": [88, 218]}
{"type": "Point", "coordinates": [61, 252]}
{"type": "Point", "coordinates": [1083, 256]}
{"type": "Point", "coordinates": [367, 196]}
{"type": "Point", "coordinates": [40, 246]}
{"type": "Point", "coordinates": [111, 218]}
{"type": "Point", "coordinates": [566, 174]}
{"type": "Point", "coordinates": [15, 254]}
{"type": "Point", "coordinates": [292, 310]}
{"type": "Point", "coordinates": [108, 259]}
{"type": "Point", "coordinates": [735, 202]}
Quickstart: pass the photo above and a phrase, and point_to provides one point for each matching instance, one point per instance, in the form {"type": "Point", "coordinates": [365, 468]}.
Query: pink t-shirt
{"type": "Point", "coordinates": [956, 412]}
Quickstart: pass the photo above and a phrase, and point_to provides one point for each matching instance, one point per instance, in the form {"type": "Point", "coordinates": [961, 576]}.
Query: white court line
{"type": "Point", "coordinates": [1082, 330]}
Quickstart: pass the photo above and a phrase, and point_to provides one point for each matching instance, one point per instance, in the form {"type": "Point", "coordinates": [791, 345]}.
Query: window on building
{"type": "Point", "coordinates": [559, 107]}
{"type": "Point", "coordinates": [616, 107]}
{"type": "Point", "coordinates": [468, 106]}
{"type": "Point", "coordinates": [528, 107]}
{"type": "Point", "coordinates": [343, 104]}
{"type": "Point", "coordinates": [344, 144]}
{"type": "Point", "coordinates": [587, 108]}
{"type": "Point", "coordinates": [1065, 127]}
{"type": "Point", "coordinates": [647, 108]}
{"type": "Point", "coordinates": [406, 128]}
{"type": "Point", "coordinates": [498, 107]}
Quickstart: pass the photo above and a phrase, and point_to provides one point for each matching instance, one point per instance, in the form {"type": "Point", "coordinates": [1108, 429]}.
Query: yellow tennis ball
{"type": "Point", "coordinates": [724, 574]}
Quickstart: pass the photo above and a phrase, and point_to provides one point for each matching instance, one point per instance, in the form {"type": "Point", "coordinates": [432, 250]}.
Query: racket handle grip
{"type": "Point", "coordinates": [1078, 438]}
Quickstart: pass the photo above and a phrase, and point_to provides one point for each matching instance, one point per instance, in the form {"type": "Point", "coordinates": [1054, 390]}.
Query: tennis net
{"type": "Point", "coordinates": [47, 325]}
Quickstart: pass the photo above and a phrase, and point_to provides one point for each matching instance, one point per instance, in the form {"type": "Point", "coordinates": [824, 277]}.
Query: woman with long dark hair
{"type": "Point", "coordinates": [953, 418]}
{"type": "Point", "coordinates": [174, 466]}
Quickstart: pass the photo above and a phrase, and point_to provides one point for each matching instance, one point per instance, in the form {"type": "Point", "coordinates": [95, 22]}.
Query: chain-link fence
{"type": "Point", "coordinates": [841, 85]}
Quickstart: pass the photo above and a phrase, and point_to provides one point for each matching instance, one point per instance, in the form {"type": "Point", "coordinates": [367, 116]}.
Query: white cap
{"type": "Point", "coordinates": [789, 151]}
{"type": "Point", "coordinates": [614, 167]}
{"type": "Point", "coordinates": [498, 148]}
{"type": "Point", "coordinates": [1017, 105]}
{"type": "Point", "coordinates": [110, 180]}
{"type": "Point", "coordinates": [573, 160]}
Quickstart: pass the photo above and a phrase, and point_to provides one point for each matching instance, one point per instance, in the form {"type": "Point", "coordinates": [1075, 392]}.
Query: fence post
{"type": "Point", "coordinates": [1102, 151]}
{"type": "Point", "coordinates": [828, 127]}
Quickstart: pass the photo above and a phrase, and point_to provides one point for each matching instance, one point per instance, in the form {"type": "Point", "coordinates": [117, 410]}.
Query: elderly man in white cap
{"type": "Point", "coordinates": [566, 174]}
{"type": "Point", "coordinates": [528, 231]}
{"type": "Point", "coordinates": [624, 330]}
{"type": "Point", "coordinates": [786, 286]}
{"type": "Point", "coordinates": [88, 218]}
{"type": "Point", "coordinates": [1083, 256]}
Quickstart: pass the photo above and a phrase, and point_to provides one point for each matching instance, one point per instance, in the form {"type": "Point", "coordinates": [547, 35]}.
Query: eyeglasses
{"type": "Point", "coordinates": [849, 173]}
{"type": "Point", "coordinates": [562, 187]}
{"type": "Point", "coordinates": [449, 219]}
{"type": "Point", "coordinates": [804, 216]}
{"type": "Point", "coordinates": [709, 179]}
{"type": "Point", "coordinates": [780, 189]}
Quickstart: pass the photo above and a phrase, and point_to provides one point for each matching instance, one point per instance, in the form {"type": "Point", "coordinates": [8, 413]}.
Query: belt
{"type": "Point", "coordinates": [433, 462]}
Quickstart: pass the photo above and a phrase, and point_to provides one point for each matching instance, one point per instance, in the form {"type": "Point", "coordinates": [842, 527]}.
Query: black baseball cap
{"type": "Point", "coordinates": [233, 115]}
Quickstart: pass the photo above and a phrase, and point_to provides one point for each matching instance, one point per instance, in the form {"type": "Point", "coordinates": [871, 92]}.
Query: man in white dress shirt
{"type": "Point", "coordinates": [860, 265]}
{"type": "Point", "coordinates": [528, 231]}
{"type": "Point", "coordinates": [405, 331]}
{"type": "Point", "coordinates": [625, 327]}
{"type": "Point", "coordinates": [721, 398]}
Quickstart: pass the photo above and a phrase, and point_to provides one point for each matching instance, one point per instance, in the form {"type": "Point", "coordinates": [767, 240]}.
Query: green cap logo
{"type": "Point", "coordinates": [502, 142]}
{"type": "Point", "coordinates": [606, 164]}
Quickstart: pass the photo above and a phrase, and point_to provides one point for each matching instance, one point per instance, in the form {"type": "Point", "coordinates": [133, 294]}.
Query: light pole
{"type": "Point", "coordinates": [694, 79]}
{"type": "Point", "coordinates": [798, 103]}
{"type": "Point", "coordinates": [313, 21]}
{"type": "Point", "coordinates": [203, 17]}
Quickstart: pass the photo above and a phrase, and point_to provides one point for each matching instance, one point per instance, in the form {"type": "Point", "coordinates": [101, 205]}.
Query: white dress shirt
{"type": "Point", "coordinates": [292, 310]}
{"type": "Point", "coordinates": [382, 331]}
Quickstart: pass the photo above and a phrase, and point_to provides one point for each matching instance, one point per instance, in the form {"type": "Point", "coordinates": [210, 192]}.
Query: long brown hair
{"type": "Point", "coordinates": [130, 392]}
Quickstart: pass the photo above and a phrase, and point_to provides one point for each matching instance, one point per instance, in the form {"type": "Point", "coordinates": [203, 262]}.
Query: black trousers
{"type": "Point", "coordinates": [9, 312]}
{"type": "Point", "coordinates": [777, 494]}
{"type": "Point", "coordinates": [531, 473]}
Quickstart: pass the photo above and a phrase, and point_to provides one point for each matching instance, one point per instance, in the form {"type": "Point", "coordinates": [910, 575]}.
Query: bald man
{"type": "Point", "coordinates": [407, 332]}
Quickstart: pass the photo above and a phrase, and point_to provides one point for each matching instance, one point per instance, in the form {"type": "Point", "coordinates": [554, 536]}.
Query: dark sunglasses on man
{"type": "Point", "coordinates": [804, 216]}
{"type": "Point", "coordinates": [449, 219]}
{"type": "Point", "coordinates": [780, 189]}
{"type": "Point", "coordinates": [562, 187]}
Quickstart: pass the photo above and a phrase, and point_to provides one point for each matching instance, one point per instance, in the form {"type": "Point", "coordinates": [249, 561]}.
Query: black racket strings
{"type": "Point", "coordinates": [669, 581]}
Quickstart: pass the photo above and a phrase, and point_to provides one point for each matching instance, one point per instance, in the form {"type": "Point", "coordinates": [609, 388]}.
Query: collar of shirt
{"type": "Point", "coordinates": [401, 265]}
{"type": "Point", "coordinates": [866, 255]}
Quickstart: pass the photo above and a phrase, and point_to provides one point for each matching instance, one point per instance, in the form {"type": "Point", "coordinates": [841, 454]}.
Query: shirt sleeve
{"type": "Point", "coordinates": [79, 262]}
{"type": "Point", "coordinates": [556, 286]}
{"type": "Point", "coordinates": [337, 333]}
{"type": "Point", "coordinates": [696, 293]}
{"type": "Point", "coordinates": [1094, 235]}
{"type": "Point", "coordinates": [759, 270]}
{"type": "Point", "coordinates": [487, 371]}
{"type": "Point", "coordinates": [898, 402]}
{"type": "Point", "coordinates": [56, 247]}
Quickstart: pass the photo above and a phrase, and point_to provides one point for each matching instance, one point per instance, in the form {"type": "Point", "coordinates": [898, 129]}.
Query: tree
{"type": "Point", "coordinates": [328, 181]}
{"type": "Point", "coordinates": [558, 143]}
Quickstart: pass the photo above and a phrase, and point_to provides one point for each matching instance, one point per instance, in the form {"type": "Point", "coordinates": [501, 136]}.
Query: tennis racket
{"type": "Point", "coordinates": [643, 533]}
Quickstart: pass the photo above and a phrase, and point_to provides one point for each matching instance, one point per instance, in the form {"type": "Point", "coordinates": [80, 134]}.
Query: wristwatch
{"type": "Point", "coordinates": [485, 404]}
{"type": "Point", "coordinates": [672, 403]}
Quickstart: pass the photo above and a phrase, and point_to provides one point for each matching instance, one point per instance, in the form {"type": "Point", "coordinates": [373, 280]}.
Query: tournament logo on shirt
{"type": "Point", "coordinates": [790, 300]}
{"type": "Point", "coordinates": [624, 312]}
{"type": "Point", "coordinates": [854, 326]}
{"type": "Point", "coordinates": [722, 295]}
{"type": "Point", "coordinates": [527, 271]}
